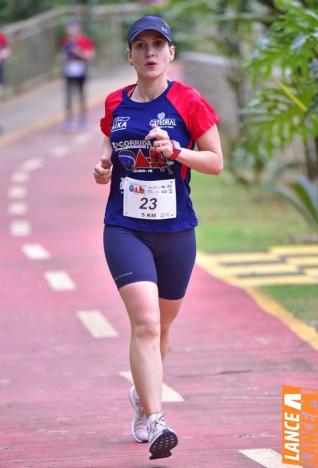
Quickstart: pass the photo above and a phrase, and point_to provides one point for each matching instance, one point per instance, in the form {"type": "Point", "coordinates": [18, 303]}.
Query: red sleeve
{"type": "Point", "coordinates": [3, 41]}
{"type": "Point", "coordinates": [196, 112]}
{"type": "Point", "coordinates": [111, 102]}
{"type": "Point", "coordinates": [202, 116]}
{"type": "Point", "coordinates": [85, 43]}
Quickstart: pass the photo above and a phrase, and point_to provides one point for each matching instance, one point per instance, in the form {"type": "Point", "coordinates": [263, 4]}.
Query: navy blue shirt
{"type": "Point", "coordinates": [185, 115]}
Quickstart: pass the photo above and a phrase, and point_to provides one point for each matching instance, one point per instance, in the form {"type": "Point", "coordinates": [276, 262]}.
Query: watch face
{"type": "Point", "coordinates": [176, 149]}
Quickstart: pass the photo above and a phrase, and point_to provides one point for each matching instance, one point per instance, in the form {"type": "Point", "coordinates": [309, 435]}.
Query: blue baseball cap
{"type": "Point", "coordinates": [146, 23]}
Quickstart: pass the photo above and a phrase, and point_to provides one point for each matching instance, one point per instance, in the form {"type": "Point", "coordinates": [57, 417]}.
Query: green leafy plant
{"type": "Point", "coordinates": [303, 195]}
{"type": "Point", "coordinates": [288, 106]}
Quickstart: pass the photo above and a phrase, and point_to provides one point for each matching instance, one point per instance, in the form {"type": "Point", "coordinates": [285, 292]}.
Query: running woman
{"type": "Point", "coordinates": [77, 51]}
{"type": "Point", "coordinates": [151, 129]}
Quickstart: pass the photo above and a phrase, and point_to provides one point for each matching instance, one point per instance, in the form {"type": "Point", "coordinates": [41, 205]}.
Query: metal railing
{"type": "Point", "coordinates": [35, 42]}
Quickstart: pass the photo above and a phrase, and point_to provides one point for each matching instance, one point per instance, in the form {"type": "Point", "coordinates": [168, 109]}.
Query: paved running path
{"type": "Point", "coordinates": [63, 401]}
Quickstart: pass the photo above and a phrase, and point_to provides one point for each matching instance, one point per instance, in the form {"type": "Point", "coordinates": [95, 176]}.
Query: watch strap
{"type": "Point", "coordinates": [176, 150]}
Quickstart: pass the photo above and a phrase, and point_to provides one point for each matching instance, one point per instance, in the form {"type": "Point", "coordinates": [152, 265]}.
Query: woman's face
{"type": "Point", "coordinates": [150, 54]}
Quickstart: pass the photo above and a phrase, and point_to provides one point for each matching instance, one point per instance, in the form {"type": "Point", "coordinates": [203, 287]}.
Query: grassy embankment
{"type": "Point", "coordinates": [237, 219]}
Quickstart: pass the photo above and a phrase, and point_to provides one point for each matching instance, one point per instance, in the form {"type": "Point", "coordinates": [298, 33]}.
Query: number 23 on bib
{"type": "Point", "coordinates": [150, 199]}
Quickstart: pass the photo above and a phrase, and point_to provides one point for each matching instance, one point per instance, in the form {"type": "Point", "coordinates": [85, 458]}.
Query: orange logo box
{"type": "Point", "coordinates": [300, 426]}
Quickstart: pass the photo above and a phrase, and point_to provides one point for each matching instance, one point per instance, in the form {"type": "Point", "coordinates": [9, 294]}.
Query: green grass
{"type": "Point", "coordinates": [302, 301]}
{"type": "Point", "coordinates": [233, 218]}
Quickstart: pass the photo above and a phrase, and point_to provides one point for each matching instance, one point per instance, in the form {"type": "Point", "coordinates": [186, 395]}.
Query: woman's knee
{"type": "Point", "coordinates": [147, 327]}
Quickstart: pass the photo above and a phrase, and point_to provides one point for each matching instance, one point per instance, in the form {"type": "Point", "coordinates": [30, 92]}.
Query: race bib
{"type": "Point", "coordinates": [150, 199]}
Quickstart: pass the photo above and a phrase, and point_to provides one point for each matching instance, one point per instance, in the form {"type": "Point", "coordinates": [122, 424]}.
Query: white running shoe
{"type": "Point", "coordinates": [161, 438]}
{"type": "Point", "coordinates": [139, 423]}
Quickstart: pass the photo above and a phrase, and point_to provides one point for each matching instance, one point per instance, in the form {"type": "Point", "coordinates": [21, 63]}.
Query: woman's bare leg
{"type": "Point", "coordinates": [168, 311]}
{"type": "Point", "coordinates": [142, 304]}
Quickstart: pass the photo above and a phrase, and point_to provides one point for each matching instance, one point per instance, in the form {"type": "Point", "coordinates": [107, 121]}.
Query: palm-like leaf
{"type": "Point", "coordinates": [303, 195]}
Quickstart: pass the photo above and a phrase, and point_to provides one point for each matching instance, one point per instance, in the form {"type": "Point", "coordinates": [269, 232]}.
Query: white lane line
{"type": "Point", "coordinates": [59, 280]}
{"type": "Point", "coordinates": [168, 394]}
{"type": "Point", "coordinates": [266, 457]}
{"type": "Point", "coordinates": [20, 228]}
{"type": "Point", "coordinates": [20, 177]}
{"type": "Point", "coordinates": [60, 151]}
{"type": "Point", "coordinates": [96, 324]}
{"type": "Point", "coordinates": [35, 251]}
{"type": "Point", "coordinates": [17, 191]}
{"type": "Point", "coordinates": [32, 164]}
{"type": "Point", "coordinates": [17, 208]}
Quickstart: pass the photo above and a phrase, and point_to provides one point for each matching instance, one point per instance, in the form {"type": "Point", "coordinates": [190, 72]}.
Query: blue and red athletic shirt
{"type": "Point", "coordinates": [185, 115]}
{"type": "Point", "coordinates": [69, 47]}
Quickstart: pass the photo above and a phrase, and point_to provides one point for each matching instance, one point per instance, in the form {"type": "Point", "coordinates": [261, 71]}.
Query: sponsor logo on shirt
{"type": "Point", "coordinates": [163, 121]}
{"type": "Point", "coordinates": [131, 144]}
{"type": "Point", "coordinates": [144, 161]}
{"type": "Point", "coordinates": [119, 123]}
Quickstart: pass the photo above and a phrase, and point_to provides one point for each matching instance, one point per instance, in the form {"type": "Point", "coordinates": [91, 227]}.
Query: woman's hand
{"type": "Point", "coordinates": [161, 139]}
{"type": "Point", "coordinates": [103, 171]}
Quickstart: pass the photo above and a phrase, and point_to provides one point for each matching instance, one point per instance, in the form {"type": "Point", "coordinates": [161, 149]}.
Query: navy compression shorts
{"type": "Point", "coordinates": [164, 258]}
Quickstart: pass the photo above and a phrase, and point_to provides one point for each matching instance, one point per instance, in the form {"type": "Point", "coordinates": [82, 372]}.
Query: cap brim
{"type": "Point", "coordinates": [134, 36]}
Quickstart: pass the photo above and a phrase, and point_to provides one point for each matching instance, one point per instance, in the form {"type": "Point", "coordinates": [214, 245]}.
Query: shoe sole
{"type": "Point", "coordinates": [161, 447]}
{"type": "Point", "coordinates": [140, 441]}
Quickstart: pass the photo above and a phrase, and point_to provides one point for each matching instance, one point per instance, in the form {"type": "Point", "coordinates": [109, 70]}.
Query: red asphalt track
{"type": "Point", "coordinates": [63, 402]}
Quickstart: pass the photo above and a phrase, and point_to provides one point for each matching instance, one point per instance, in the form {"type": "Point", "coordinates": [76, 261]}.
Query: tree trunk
{"type": "Point", "coordinates": [311, 158]}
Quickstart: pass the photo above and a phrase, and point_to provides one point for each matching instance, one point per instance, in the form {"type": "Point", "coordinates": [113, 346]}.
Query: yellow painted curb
{"type": "Point", "coordinates": [27, 130]}
{"type": "Point", "coordinates": [269, 305]}
{"type": "Point", "coordinates": [41, 124]}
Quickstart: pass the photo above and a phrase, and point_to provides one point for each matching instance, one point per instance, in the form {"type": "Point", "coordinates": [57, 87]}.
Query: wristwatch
{"type": "Point", "coordinates": [176, 149]}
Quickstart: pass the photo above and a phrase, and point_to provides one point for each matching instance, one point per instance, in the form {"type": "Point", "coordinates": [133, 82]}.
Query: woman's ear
{"type": "Point", "coordinates": [129, 57]}
{"type": "Point", "coordinates": [172, 53]}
